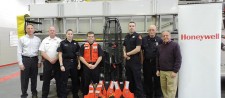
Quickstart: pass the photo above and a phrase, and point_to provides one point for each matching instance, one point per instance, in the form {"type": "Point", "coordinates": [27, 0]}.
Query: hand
{"type": "Point", "coordinates": [52, 61]}
{"type": "Point", "coordinates": [94, 66]}
{"type": "Point", "coordinates": [157, 73]}
{"type": "Point", "coordinates": [91, 66]}
{"type": "Point", "coordinates": [173, 74]}
{"type": "Point", "coordinates": [125, 56]}
{"type": "Point", "coordinates": [39, 65]}
{"type": "Point", "coordinates": [78, 66]}
{"type": "Point", "coordinates": [21, 67]}
{"type": "Point", "coordinates": [128, 58]}
{"type": "Point", "coordinates": [62, 68]}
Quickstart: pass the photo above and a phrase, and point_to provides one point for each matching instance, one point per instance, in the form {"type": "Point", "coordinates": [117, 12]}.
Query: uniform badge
{"type": "Point", "coordinates": [65, 45]}
{"type": "Point", "coordinates": [156, 43]}
{"type": "Point", "coordinates": [133, 36]}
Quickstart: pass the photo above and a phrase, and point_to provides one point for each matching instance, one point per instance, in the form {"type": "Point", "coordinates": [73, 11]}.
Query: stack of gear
{"type": "Point", "coordinates": [96, 91]}
{"type": "Point", "coordinates": [113, 50]}
{"type": "Point", "coordinates": [114, 91]}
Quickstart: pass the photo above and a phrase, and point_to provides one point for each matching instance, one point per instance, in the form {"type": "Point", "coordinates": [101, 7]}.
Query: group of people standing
{"type": "Point", "coordinates": [161, 60]}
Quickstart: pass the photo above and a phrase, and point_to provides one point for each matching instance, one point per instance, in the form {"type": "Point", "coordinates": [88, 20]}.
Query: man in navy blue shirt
{"type": "Point", "coordinates": [149, 51]}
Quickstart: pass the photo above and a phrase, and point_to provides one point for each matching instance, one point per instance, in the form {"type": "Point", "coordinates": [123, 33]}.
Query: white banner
{"type": "Point", "coordinates": [199, 38]}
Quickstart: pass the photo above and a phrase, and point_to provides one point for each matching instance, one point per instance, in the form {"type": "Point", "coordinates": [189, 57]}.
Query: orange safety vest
{"type": "Point", "coordinates": [118, 91]}
{"type": "Point", "coordinates": [126, 91]}
{"type": "Point", "coordinates": [91, 93]}
{"type": "Point", "coordinates": [91, 52]}
{"type": "Point", "coordinates": [110, 91]}
{"type": "Point", "coordinates": [98, 91]}
{"type": "Point", "coordinates": [104, 93]}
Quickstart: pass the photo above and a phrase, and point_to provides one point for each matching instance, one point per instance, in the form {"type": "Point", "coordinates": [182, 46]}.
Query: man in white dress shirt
{"type": "Point", "coordinates": [49, 52]}
{"type": "Point", "coordinates": [27, 52]}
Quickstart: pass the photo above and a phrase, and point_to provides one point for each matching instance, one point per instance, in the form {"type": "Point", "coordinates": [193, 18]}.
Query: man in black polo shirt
{"type": "Point", "coordinates": [69, 63]}
{"type": "Point", "coordinates": [131, 48]}
{"type": "Point", "coordinates": [149, 51]}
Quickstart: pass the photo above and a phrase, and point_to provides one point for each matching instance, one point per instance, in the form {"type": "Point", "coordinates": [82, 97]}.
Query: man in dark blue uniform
{"type": "Point", "coordinates": [69, 63]}
{"type": "Point", "coordinates": [149, 51]}
{"type": "Point", "coordinates": [131, 48]}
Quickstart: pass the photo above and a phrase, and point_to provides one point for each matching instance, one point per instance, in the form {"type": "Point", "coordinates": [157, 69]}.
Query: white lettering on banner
{"type": "Point", "coordinates": [199, 37]}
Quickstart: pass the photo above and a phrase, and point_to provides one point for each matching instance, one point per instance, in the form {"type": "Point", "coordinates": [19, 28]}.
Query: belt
{"type": "Point", "coordinates": [29, 57]}
{"type": "Point", "coordinates": [69, 59]}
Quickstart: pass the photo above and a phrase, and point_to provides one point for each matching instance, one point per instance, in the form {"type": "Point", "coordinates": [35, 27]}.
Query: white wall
{"type": "Point", "coordinates": [9, 9]}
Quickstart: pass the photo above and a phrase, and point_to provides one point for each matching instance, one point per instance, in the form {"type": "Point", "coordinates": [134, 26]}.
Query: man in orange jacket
{"type": "Point", "coordinates": [90, 55]}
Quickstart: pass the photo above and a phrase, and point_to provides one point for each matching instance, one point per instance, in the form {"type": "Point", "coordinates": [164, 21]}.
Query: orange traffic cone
{"type": "Point", "coordinates": [118, 91]}
{"type": "Point", "coordinates": [110, 91]}
{"type": "Point", "coordinates": [91, 93]}
{"type": "Point", "coordinates": [126, 91]}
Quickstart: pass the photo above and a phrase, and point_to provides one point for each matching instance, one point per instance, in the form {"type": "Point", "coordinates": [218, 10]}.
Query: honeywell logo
{"type": "Point", "coordinates": [199, 37]}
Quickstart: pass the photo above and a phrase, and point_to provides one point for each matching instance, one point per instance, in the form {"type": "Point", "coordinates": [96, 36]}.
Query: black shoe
{"type": "Point", "coordinates": [24, 95]}
{"type": "Point", "coordinates": [75, 96]}
{"type": "Point", "coordinates": [34, 96]}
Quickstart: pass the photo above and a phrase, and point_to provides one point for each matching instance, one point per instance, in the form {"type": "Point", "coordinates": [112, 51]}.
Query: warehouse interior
{"type": "Point", "coordinates": [82, 16]}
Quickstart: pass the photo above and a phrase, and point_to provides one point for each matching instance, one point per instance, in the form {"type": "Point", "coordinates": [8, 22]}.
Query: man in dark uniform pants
{"type": "Point", "coordinates": [48, 49]}
{"type": "Point", "coordinates": [131, 48]}
{"type": "Point", "coordinates": [27, 51]}
{"type": "Point", "coordinates": [69, 63]}
{"type": "Point", "coordinates": [149, 47]}
{"type": "Point", "coordinates": [90, 55]}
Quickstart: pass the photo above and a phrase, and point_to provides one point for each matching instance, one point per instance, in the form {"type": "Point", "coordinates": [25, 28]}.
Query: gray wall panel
{"type": "Point", "coordinates": [7, 52]}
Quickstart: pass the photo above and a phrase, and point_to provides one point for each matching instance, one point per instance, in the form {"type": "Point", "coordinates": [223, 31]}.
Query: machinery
{"type": "Point", "coordinates": [113, 50]}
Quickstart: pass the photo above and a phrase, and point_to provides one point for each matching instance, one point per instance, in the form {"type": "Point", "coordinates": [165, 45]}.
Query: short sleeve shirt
{"type": "Point", "coordinates": [131, 41]}
{"type": "Point", "coordinates": [70, 50]}
{"type": "Point", "coordinates": [49, 46]}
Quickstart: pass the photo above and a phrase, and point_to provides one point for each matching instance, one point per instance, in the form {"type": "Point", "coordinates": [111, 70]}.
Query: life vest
{"type": "Point", "coordinates": [110, 91]}
{"type": "Point", "coordinates": [98, 91]}
{"type": "Point", "coordinates": [91, 52]}
{"type": "Point", "coordinates": [104, 93]}
{"type": "Point", "coordinates": [126, 91]}
{"type": "Point", "coordinates": [118, 91]}
{"type": "Point", "coordinates": [91, 93]}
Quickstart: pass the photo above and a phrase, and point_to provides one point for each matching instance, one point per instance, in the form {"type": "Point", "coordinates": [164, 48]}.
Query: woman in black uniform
{"type": "Point", "coordinates": [69, 63]}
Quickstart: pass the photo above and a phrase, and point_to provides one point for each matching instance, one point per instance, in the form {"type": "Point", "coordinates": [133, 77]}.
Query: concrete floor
{"type": "Point", "coordinates": [11, 87]}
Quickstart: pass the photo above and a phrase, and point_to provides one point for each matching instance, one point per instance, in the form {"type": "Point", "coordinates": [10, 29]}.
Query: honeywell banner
{"type": "Point", "coordinates": [199, 38]}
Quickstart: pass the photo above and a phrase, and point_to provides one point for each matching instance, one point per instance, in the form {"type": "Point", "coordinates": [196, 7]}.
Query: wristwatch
{"type": "Point", "coordinates": [61, 65]}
